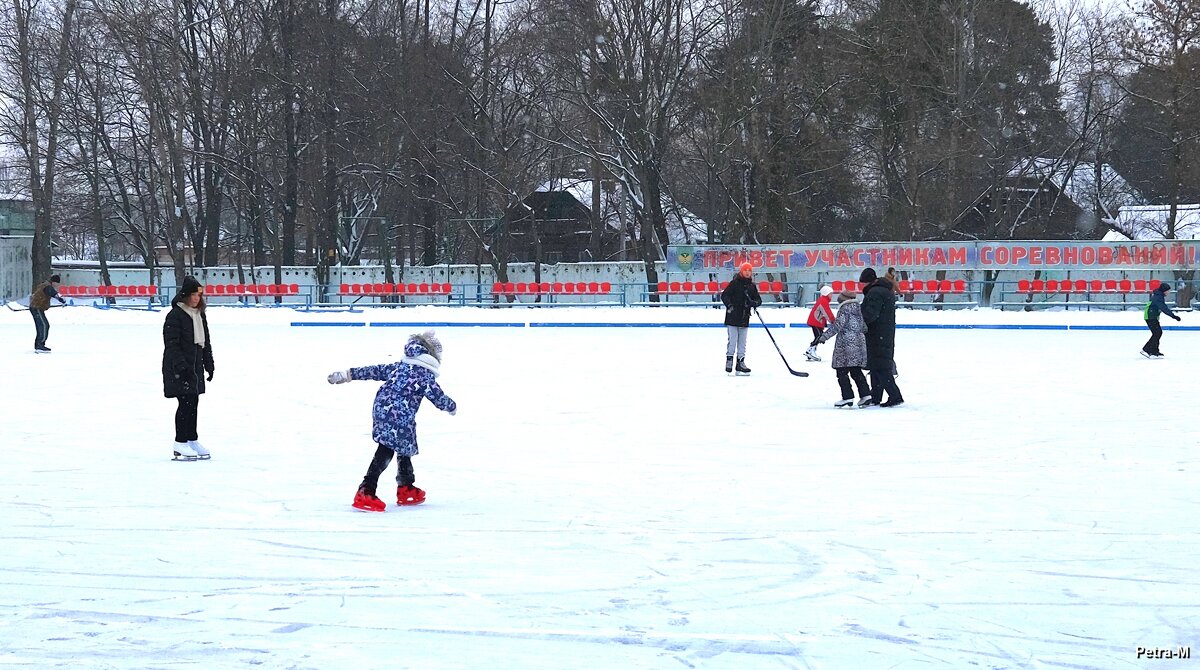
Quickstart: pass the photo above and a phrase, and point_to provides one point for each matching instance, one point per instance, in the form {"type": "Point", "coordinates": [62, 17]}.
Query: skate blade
{"type": "Point", "coordinates": [181, 457]}
{"type": "Point", "coordinates": [410, 503]}
{"type": "Point", "coordinates": [367, 509]}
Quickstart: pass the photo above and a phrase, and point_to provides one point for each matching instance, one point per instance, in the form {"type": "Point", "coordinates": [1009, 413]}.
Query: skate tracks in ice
{"type": "Point", "coordinates": [605, 498]}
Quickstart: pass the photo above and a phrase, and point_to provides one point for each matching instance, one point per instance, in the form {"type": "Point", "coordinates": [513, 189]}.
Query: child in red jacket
{"type": "Point", "coordinates": [820, 317]}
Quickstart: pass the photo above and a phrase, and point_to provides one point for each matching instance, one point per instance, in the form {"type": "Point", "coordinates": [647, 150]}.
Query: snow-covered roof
{"type": "Point", "coordinates": [1149, 222]}
{"type": "Point", "coordinates": [683, 227]}
{"type": "Point", "coordinates": [1079, 182]}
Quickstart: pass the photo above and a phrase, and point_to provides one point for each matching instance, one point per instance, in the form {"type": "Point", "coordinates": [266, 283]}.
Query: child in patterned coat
{"type": "Point", "coordinates": [395, 411]}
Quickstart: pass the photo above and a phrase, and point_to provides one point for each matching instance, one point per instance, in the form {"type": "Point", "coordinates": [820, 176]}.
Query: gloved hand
{"type": "Point", "coordinates": [339, 377]}
{"type": "Point", "coordinates": [210, 374]}
{"type": "Point", "coordinates": [1177, 317]}
{"type": "Point", "coordinates": [454, 411]}
{"type": "Point", "coordinates": [61, 301]}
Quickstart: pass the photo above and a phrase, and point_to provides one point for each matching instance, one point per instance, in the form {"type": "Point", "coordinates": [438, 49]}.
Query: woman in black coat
{"type": "Point", "coordinates": [879, 313]}
{"type": "Point", "coordinates": [740, 297]}
{"type": "Point", "coordinates": [187, 355]}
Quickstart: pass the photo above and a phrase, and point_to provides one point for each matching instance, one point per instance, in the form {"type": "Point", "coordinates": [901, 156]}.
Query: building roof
{"type": "Point", "coordinates": [683, 227]}
{"type": "Point", "coordinates": [1149, 222]}
{"type": "Point", "coordinates": [1078, 181]}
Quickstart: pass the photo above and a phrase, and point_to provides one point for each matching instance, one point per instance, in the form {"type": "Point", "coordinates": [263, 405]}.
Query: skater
{"type": "Point", "coordinates": [879, 313]}
{"type": "Point", "coordinates": [895, 281]}
{"type": "Point", "coordinates": [739, 297]}
{"type": "Point", "coordinates": [850, 350]}
{"type": "Point", "coordinates": [39, 302]}
{"type": "Point", "coordinates": [819, 317]}
{"type": "Point", "coordinates": [187, 355]}
{"type": "Point", "coordinates": [394, 416]}
{"type": "Point", "coordinates": [1156, 306]}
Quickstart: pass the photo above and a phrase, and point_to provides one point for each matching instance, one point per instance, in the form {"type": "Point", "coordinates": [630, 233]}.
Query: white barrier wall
{"type": "Point", "coordinates": [473, 284]}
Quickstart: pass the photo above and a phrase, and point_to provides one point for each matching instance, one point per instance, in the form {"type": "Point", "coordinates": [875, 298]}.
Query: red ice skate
{"type": "Point", "coordinates": [367, 502]}
{"type": "Point", "coordinates": [409, 495]}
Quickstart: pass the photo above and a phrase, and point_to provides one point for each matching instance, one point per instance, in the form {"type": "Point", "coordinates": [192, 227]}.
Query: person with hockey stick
{"type": "Point", "coordinates": [850, 349]}
{"type": "Point", "coordinates": [187, 355]}
{"type": "Point", "coordinates": [394, 415]}
{"type": "Point", "coordinates": [39, 302]}
{"type": "Point", "coordinates": [740, 298]}
{"type": "Point", "coordinates": [1156, 306]}
{"type": "Point", "coordinates": [879, 314]}
{"type": "Point", "coordinates": [820, 316]}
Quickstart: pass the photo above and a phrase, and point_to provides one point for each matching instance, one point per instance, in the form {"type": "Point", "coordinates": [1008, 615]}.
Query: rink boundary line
{"type": "Point", "coordinates": [620, 324]}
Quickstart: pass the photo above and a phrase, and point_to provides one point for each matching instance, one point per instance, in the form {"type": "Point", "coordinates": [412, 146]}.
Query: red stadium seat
{"type": "Point", "coordinates": [544, 287]}
{"type": "Point", "coordinates": [345, 289]}
{"type": "Point", "coordinates": [1154, 284]}
{"type": "Point", "coordinates": [1081, 285]}
{"type": "Point", "coordinates": [497, 288]}
{"type": "Point", "coordinates": [606, 287]}
{"type": "Point", "coordinates": [662, 287]}
{"type": "Point", "coordinates": [1125, 286]}
{"type": "Point", "coordinates": [1051, 286]}
{"type": "Point", "coordinates": [1037, 286]}
{"type": "Point", "coordinates": [1140, 286]}
{"type": "Point", "coordinates": [674, 287]}
{"type": "Point", "coordinates": [1110, 285]}
{"type": "Point", "coordinates": [594, 287]}
{"type": "Point", "coordinates": [836, 286]}
{"type": "Point", "coordinates": [557, 287]}
{"type": "Point", "coordinates": [509, 288]}
{"type": "Point", "coordinates": [960, 286]}
{"type": "Point", "coordinates": [777, 287]}
{"type": "Point", "coordinates": [1097, 286]}
{"type": "Point", "coordinates": [1023, 286]}
{"type": "Point", "coordinates": [687, 287]}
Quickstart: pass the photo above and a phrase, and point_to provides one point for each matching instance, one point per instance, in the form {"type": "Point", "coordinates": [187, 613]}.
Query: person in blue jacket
{"type": "Point", "coordinates": [1156, 306]}
{"type": "Point", "coordinates": [405, 384]}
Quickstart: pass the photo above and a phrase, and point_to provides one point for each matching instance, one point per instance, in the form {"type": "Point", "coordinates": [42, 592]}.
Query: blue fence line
{"type": "Point", "coordinates": [541, 324]}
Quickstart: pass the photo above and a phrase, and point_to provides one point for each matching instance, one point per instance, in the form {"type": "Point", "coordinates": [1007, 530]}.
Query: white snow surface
{"type": "Point", "coordinates": [604, 498]}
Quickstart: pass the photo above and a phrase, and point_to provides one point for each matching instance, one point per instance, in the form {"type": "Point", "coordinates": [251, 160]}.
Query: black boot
{"type": "Point", "coordinates": [741, 367]}
{"type": "Point", "coordinates": [729, 364]}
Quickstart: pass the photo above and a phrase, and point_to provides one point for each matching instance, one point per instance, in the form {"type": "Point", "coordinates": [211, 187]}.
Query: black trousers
{"type": "Point", "coordinates": [1151, 346]}
{"type": "Point", "coordinates": [816, 336]}
{"type": "Point", "coordinates": [844, 375]}
{"type": "Point", "coordinates": [43, 327]}
{"type": "Point", "coordinates": [185, 418]}
{"type": "Point", "coordinates": [383, 456]}
{"type": "Point", "coordinates": [884, 380]}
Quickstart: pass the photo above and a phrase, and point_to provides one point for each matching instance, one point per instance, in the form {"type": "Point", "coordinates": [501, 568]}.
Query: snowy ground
{"type": "Point", "coordinates": [605, 498]}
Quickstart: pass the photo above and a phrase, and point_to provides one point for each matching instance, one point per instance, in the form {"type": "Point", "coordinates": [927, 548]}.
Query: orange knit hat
{"type": "Point", "coordinates": [746, 267]}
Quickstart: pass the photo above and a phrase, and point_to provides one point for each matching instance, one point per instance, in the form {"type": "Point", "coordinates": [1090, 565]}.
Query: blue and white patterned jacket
{"type": "Point", "coordinates": [404, 385]}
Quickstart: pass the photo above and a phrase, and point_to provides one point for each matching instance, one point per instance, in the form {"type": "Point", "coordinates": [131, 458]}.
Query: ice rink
{"type": "Point", "coordinates": [606, 497]}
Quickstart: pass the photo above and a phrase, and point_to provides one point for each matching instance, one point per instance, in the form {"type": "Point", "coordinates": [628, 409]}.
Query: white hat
{"type": "Point", "coordinates": [826, 290]}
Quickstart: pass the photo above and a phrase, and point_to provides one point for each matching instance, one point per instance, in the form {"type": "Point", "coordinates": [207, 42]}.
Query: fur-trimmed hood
{"type": "Point", "coordinates": [424, 350]}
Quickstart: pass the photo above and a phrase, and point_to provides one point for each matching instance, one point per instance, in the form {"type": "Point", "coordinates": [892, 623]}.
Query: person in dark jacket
{"type": "Point", "coordinates": [1156, 306]}
{"type": "Point", "coordinates": [879, 313]}
{"type": "Point", "coordinates": [39, 302]}
{"type": "Point", "coordinates": [740, 297]}
{"type": "Point", "coordinates": [187, 355]}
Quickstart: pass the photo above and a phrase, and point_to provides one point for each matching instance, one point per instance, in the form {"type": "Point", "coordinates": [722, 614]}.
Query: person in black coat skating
{"type": "Point", "coordinates": [187, 355]}
{"type": "Point", "coordinates": [879, 313]}
{"type": "Point", "coordinates": [740, 297]}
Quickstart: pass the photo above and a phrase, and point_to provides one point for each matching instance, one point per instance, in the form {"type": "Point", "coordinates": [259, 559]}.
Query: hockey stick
{"type": "Point", "coordinates": [785, 363]}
